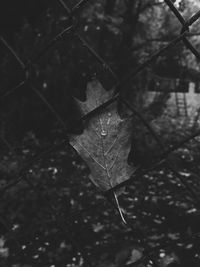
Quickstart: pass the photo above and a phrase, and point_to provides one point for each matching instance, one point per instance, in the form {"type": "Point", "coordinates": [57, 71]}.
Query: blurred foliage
{"type": "Point", "coordinates": [54, 209]}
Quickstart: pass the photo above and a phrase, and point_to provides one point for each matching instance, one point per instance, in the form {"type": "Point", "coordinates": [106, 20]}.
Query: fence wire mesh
{"type": "Point", "coordinates": [71, 34]}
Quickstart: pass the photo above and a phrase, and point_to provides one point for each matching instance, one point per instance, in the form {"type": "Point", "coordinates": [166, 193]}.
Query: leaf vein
{"type": "Point", "coordinates": [91, 156]}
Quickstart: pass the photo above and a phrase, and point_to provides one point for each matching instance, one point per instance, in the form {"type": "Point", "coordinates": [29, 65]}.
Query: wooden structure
{"type": "Point", "coordinates": [168, 85]}
{"type": "Point", "coordinates": [181, 104]}
{"type": "Point", "coordinates": [181, 88]}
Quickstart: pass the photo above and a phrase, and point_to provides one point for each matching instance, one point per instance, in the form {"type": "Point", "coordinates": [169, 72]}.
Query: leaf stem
{"type": "Point", "coordinates": [119, 209]}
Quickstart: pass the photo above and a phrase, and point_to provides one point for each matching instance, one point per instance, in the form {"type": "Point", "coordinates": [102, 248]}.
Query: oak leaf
{"type": "Point", "coordinates": [106, 140]}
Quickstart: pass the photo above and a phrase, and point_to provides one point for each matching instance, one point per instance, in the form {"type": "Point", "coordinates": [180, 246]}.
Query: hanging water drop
{"type": "Point", "coordinates": [109, 118]}
{"type": "Point", "coordinates": [103, 133]}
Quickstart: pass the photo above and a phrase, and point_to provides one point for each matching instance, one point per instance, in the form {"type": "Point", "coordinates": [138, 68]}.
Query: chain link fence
{"type": "Point", "coordinates": [71, 34]}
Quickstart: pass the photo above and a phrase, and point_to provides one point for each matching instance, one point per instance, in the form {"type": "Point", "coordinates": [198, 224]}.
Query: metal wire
{"type": "Point", "coordinates": [71, 32]}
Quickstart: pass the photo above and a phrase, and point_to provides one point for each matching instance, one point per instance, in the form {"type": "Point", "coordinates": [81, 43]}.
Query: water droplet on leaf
{"type": "Point", "coordinates": [104, 133]}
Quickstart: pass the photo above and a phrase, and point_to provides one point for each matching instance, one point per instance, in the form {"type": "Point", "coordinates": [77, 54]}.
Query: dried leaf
{"type": "Point", "coordinates": [105, 142]}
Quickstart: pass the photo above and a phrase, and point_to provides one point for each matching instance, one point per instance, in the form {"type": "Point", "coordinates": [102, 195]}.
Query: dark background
{"type": "Point", "coordinates": [53, 215]}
